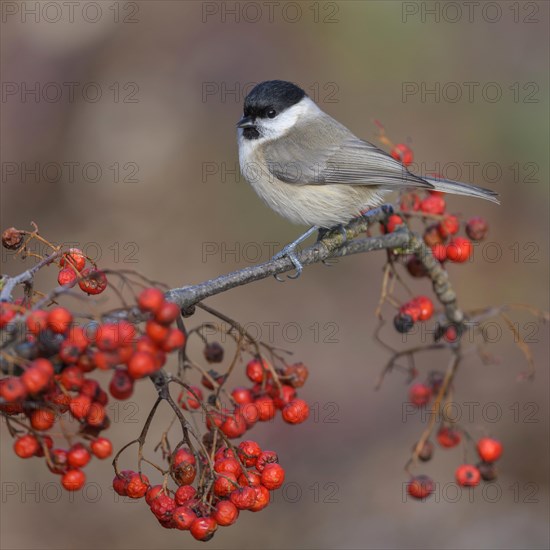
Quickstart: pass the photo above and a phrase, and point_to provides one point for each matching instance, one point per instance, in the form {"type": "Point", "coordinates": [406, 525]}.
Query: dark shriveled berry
{"type": "Point", "coordinates": [213, 352]}
{"type": "Point", "coordinates": [12, 238]}
{"type": "Point", "coordinates": [487, 470]}
{"type": "Point", "coordinates": [426, 451]}
{"type": "Point", "coordinates": [403, 323]}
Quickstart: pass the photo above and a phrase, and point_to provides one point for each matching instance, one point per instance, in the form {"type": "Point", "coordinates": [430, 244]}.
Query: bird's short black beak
{"type": "Point", "coordinates": [245, 122]}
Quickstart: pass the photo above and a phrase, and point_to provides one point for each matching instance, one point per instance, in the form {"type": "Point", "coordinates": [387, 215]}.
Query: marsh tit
{"type": "Point", "coordinates": [312, 170]}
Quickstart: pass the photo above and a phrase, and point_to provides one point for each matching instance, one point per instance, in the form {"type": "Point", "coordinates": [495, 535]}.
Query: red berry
{"type": "Point", "coordinates": [432, 236]}
{"type": "Point", "coordinates": [451, 333]}
{"type": "Point", "coordinates": [167, 313]}
{"type": "Point", "coordinates": [150, 299]}
{"type": "Point", "coordinates": [266, 408]}
{"type": "Point", "coordinates": [265, 458]}
{"type": "Point", "coordinates": [256, 370]}
{"type": "Point", "coordinates": [37, 321]}
{"type": "Point", "coordinates": [35, 379]}
{"type": "Point", "coordinates": [225, 513]}
{"type": "Point", "coordinates": [439, 252]}
{"type": "Point", "coordinates": [284, 397]}
{"type": "Point", "coordinates": [248, 452]}
{"type": "Point", "coordinates": [459, 250]}
{"type": "Point", "coordinates": [224, 485]}
{"type": "Point", "coordinates": [184, 494]}
{"type": "Point", "coordinates": [96, 414]}
{"type": "Point", "coordinates": [250, 479]}
{"type": "Point", "coordinates": [157, 332]}
{"type": "Point", "coordinates": [137, 485]}
{"type": "Point", "coordinates": [203, 528]}
{"type": "Point", "coordinates": [419, 394]}
{"type": "Point", "coordinates": [448, 226]}
{"type": "Point", "coordinates": [59, 319]}
{"type": "Point", "coordinates": [477, 228]}
{"type": "Point", "coordinates": [73, 480]}
{"type": "Point", "coordinates": [141, 364]}
{"type": "Point", "coordinates": [224, 452]}
{"type": "Point", "coordinates": [433, 204]}
{"type": "Point", "coordinates": [80, 406]}
{"type": "Point", "coordinates": [467, 475]}
{"type": "Point", "coordinates": [426, 307]}
{"type": "Point", "coordinates": [74, 257]}
{"type": "Point", "coordinates": [228, 466]}
{"type": "Point", "coordinates": [72, 378]}
{"type": "Point", "coordinates": [249, 412]}
{"type": "Point", "coordinates": [412, 309]}
{"type": "Point", "coordinates": [262, 498]}
{"type": "Point", "coordinates": [163, 506]}
{"type": "Point", "coordinates": [66, 276]}
{"type": "Point", "coordinates": [273, 476]}
{"type": "Point", "coordinates": [188, 398]}
{"type": "Point", "coordinates": [90, 388]}
{"type": "Point", "coordinates": [403, 153]}
{"type": "Point", "coordinates": [93, 281]}
{"type": "Point", "coordinates": [183, 517]}
{"type": "Point", "coordinates": [182, 455]}
{"type": "Point", "coordinates": [489, 449]}
{"type": "Point", "coordinates": [242, 396]}
{"type": "Point", "coordinates": [234, 426]}
{"type": "Point", "coordinates": [448, 437]}
{"type": "Point", "coordinates": [101, 447]}
{"type": "Point", "coordinates": [12, 389]}
{"type": "Point", "coordinates": [296, 412]}
{"type": "Point", "coordinates": [121, 385]}
{"type": "Point", "coordinates": [420, 487]}
{"type": "Point", "coordinates": [26, 446]}
{"type": "Point", "coordinates": [107, 337]}
{"type": "Point", "coordinates": [243, 498]}
{"type": "Point", "coordinates": [7, 313]}
{"type": "Point", "coordinates": [42, 419]}
{"type": "Point", "coordinates": [152, 493]}
{"type": "Point", "coordinates": [44, 365]}
{"type": "Point", "coordinates": [78, 456]}
{"type": "Point", "coordinates": [393, 222]}
{"type": "Point", "coordinates": [174, 340]}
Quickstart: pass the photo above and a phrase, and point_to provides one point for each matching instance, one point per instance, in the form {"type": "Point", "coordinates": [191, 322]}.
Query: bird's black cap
{"type": "Point", "coordinates": [272, 94]}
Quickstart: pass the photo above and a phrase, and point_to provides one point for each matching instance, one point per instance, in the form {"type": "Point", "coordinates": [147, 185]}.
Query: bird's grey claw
{"type": "Point", "coordinates": [289, 251]}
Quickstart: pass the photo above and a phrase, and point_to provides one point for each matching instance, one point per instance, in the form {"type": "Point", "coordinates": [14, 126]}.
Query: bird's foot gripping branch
{"type": "Point", "coordinates": [63, 358]}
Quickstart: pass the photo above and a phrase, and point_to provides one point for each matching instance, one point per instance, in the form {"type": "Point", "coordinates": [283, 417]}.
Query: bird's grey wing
{"type": "Point", "coordinates": [325, 152]}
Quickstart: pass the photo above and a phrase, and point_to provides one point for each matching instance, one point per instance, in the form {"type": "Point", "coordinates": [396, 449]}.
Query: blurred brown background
{"type": "Point", "coordinates": [131, 126]}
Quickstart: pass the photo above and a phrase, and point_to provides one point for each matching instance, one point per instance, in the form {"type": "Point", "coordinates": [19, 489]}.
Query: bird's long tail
{"type": "Point", "coordinates": [458, 188]}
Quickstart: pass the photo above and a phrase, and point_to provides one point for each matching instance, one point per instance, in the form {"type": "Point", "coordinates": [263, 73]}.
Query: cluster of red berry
{"type": "Point", "coordinates": [441, 236]}
{"type": "Point", "coordinates": [257, 403]}
{"type": "Point", "coordinates": [466, 475]}
{"type": "Point", "coordinates": [73, 270]}
{"type": "Point", "coordinates": [420, 308]}
{"type": "Point", "coordinates": [444, 244]}
{"type": "Point", "coordinates": [47, 378]}
{"type": "Point", "coordinates": [242, 478]}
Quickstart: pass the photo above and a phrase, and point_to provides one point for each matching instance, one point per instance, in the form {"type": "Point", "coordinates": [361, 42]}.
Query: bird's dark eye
{"type": "Point", "coordinates": [272, 113]}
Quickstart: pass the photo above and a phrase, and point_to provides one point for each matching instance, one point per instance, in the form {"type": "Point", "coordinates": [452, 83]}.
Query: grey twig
{"type": "Point", "coordinates": [334, 245]}
{"type": "Point", "coordinates": [27, 276]}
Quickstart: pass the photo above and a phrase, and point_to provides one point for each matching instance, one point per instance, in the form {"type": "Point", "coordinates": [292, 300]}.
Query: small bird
{"type": "Point", "coordinates": [312, 170]}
